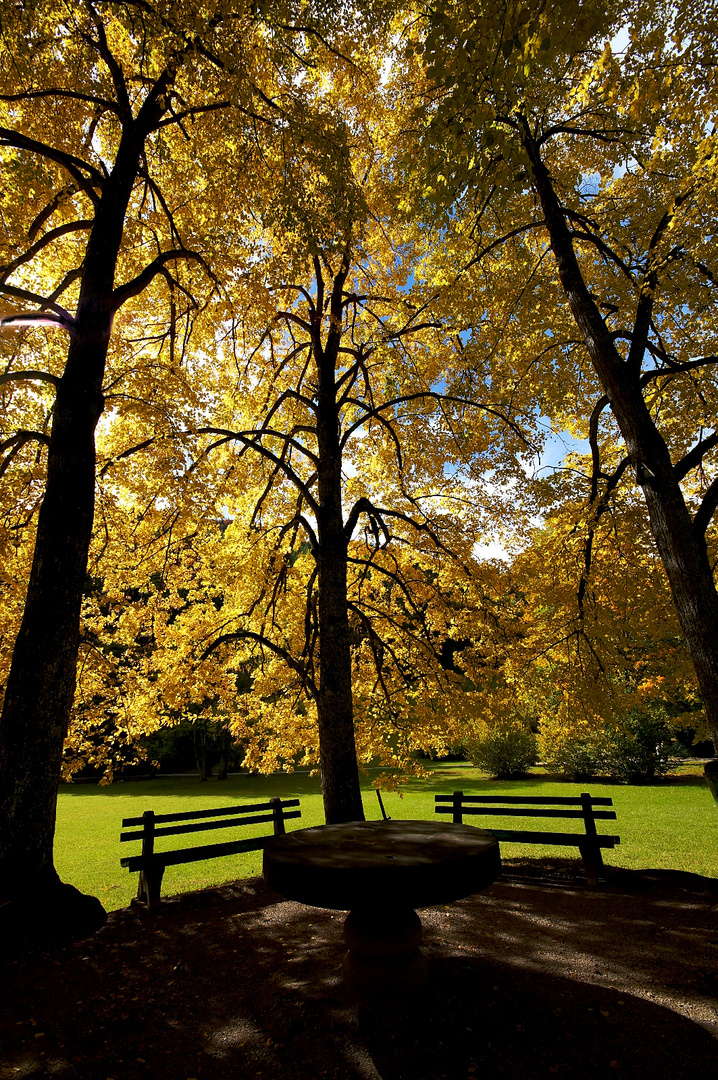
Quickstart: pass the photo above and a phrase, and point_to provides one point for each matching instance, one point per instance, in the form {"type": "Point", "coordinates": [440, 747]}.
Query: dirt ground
{"type": "Point", "coordinates": [536, 977]}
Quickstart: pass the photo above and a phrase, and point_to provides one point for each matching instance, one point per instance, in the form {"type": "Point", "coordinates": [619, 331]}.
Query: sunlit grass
{"type": "Point", "coordinates": [673, 825]}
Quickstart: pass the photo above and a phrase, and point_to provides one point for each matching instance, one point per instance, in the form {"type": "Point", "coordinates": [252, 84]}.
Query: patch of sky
{"type": "Point", "coordinates": [554, 451]}
{"type": "Point", "coordinates": [620, 40]}
{"type": "Point", "coordinates": [590, 185]}
{"type": "Point", "coordinates": [409, 284]}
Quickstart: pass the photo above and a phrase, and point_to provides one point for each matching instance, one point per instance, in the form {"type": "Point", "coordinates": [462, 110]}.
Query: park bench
{"type": "Point", "coordinates": [588, 842]}
{"type": "Point", "coordinates": [151, 864]}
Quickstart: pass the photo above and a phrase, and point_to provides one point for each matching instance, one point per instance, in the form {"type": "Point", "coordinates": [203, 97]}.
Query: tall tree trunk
{"type": "Point", "coordinates": [225, 741]}
{"type": "Point", "coordinates": [680, 544]}
{"type": "Point", "coordinates": [41, 683]}
{"type": "Point", "coordinates": [200, 747]}
{"type": "Point", "coordinates": [335, 711]}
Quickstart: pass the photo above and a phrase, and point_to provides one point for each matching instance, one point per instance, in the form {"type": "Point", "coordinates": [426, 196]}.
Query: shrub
{"type": "Point", "coordinates": [640, 748]}
{"type": "Point", "coordinates": [580, 751]}
{"type": "Point", "coordinates": [507, 752]}
{"type": "Point", "coordinates": [580, 756]}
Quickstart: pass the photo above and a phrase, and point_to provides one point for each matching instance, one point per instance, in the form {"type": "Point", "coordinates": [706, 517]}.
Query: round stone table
{"type": "Point", "coordinates": [380, 871]}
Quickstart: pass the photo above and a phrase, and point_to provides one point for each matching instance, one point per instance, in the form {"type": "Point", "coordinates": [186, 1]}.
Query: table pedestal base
{"type": "Point", "coordinates": [384, 957]}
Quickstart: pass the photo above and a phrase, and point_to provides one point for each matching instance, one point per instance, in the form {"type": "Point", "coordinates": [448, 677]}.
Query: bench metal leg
{"type": "Point", "coordinates": [150, 886]}
{"type": "Point", "coordinates": [593, 861]}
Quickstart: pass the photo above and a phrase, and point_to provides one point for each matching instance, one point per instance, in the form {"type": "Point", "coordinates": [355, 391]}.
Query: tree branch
{"type": "Point", "coordinates": [16, 443]}
{"type": "Point", "coordinates": [436, 396]}
{"type": "Point", "coordinates": [137, 284]}
{"type": "Point", "coordinates": [675, 367]}
{"type": "Point", "coordinates": [707, 509]}
{"type": "Point", "coordinates": [22, 376]}
{"type": "Point", "coordinates": [267, 643]}
{"type": "Point", "coordinates": [124, 108]}
{"type": "Point", "coordinates": [65, 318]}
{"type": "Point", "coordinates": [71, 164]}
{"type": "Point", "coordinates": [694, 456]}
{"type": "Point", "coordinates": [45, 239]}
{"type": "Point", "coordinates": [251, 444]}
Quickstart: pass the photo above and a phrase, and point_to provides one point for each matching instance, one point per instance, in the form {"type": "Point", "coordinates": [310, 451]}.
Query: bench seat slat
{"type": "Point", "coordinates": [205, 826]}
{"type": "Point", "coordinates": [185, 855]}
{"type": "Point", "coordinates": [561, 800]}
{"type": "Point", "coordinates": [520, 836]}
{"type": "Point", "coordinates": [222, 811]}
{"type": "Point", "coordinates": [506, 811]}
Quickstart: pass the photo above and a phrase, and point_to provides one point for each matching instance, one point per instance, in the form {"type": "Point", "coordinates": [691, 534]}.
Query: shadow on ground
{"type": "Point", "coordinates": [537, 977]}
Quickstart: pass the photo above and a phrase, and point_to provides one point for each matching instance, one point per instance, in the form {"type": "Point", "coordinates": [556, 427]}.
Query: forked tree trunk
{"type": "Point", "coordinates": [680, 543]}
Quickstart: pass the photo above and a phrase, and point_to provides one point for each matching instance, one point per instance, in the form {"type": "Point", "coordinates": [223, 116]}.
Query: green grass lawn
{"type": "Point", "coordinates": [672, 825]}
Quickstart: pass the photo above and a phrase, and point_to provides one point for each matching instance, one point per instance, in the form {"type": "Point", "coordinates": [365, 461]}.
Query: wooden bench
{"type": "Point", "coordinates": [151, 864]}
{"type": "Point", "coordinates": [588, 842]}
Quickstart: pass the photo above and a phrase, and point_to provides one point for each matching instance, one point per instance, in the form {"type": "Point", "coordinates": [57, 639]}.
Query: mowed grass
{"type": "Point", "coordinates": [672, 825]}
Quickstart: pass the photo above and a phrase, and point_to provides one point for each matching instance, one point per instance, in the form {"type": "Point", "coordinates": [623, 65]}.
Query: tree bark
{"type": "Point", "coordinates": [335, 712]}
{"type": "Point", "coordinates": [681, 546]}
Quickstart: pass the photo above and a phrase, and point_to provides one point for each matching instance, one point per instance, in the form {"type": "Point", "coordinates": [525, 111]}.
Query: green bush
{"type": "Point", "coordinates": [507, 752]}
{"type": "Point", "coordinates": [582, 757]}
{"type": "Point", "coordinates": [635, 749]}
{"type": "Point", "coordinates": [640, 749]}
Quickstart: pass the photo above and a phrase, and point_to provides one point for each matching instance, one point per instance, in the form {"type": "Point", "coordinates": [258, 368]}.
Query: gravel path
{"type": "Point", "coordinates": [536, 977]}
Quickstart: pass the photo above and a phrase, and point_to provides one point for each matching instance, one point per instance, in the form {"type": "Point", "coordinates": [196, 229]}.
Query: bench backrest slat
{"type": "Point", "coordinates": [206, 826]}
{"type": "Point", "coordinates": [507, 811]}
{"type": "Point", "coordinates": [197, 854]}
{"type": "Point", "coordinates": [194, 815]}
{"type": "Point", "coordinates": [534, 806]}
{"type": "Point", "coordinates": [527, 800]}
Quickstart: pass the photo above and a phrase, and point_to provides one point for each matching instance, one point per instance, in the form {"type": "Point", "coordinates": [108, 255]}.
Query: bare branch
{"type": "Point", "coordinates": [707, 509]}
{"type": "Point", "coordinates": [59, 91]}
{"type": "Point", "coordinates": [436, 396]}
{"type": "Point", "coordinates": [127, 453]}
{"type": "Point", "coordinates": [267, 643]}
{"type": "Point", "coordinates": [252, 444]}
{"type": "Point", "coordinates": [45, 239]}
{"type": "Point", "coordinates": [137, 284]}
{"type": "Point", "coordinates": [15, 444]}
{"type": "Point", "coordinates": [23, 376]}
{"type": "Point", "coordinates": [65, 193]}
{"type": "Point", "coordinates": [42, 301]}
{"type": "Point", "coordinates": [693, 458]}
{"type": "Point", "coordinates": [37, 318]}
{"type": "Point", "coordinates": [674, 367]}
{"type": "Point", "coordinates": [299, 519]}
{"type": "Point", "coordinates": [124, 109]}
{"type": "Point", "coordinates": [71, 164]}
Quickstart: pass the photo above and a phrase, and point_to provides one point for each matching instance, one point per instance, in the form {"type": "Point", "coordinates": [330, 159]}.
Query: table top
{"type": "Point", "coordinates": [381, 863]}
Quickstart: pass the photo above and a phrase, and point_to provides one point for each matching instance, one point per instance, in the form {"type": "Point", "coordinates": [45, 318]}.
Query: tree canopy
{"type": "Point", "coordinates": [293, 297]}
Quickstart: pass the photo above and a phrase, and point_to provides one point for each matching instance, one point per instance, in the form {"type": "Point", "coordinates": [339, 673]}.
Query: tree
{"type": "Point", "coordinates": [543, 139]}
{"type": "Point", "coordinates": [338, 561]}
{"type": "Point", "coordinates": [586, 662]}
{"type": "Point", "coordinates": [98, 103]}
{"type": "Point", "coordinates": [337, 458]}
